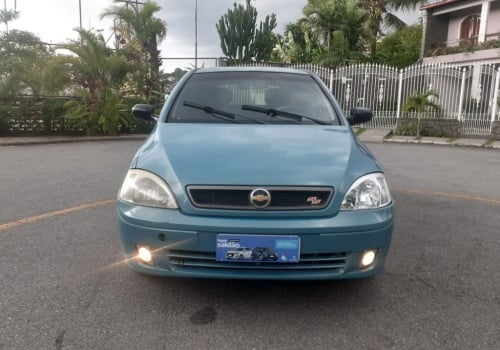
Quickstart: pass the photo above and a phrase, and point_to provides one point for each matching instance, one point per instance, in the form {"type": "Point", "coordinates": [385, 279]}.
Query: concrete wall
{"type": "Point", "coordinates": [494, 18]}
{"type": "Point", "coordinates": [439, 127]}
{"type": "Point", "coordinates": [495, 131]}
{"type": "Point", "coordinates": [484, 56]}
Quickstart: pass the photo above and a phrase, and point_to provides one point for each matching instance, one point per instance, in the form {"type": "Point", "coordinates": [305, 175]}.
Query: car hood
{"type": "Point", "coordinates": [254, 155]}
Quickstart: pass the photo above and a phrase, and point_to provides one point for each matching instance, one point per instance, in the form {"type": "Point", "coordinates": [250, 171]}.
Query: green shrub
{"type": "Point", "coordinates": [410, 129]}
{"type": "Point", "coordinates": [4, 123]}
{"type": "Point", "coordinates": [431, 132]}
{"type": "Point", "coordinates": [53, 113]}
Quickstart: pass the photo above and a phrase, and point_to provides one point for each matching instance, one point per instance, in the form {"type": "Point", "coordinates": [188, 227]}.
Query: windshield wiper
{"type": "Point", "coordinates": [217, 113]}
{"type": "Point", "coordinates": [272, 112]}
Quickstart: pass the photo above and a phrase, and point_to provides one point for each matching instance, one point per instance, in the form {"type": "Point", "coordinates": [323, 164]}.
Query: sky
{"type": "Point", "coordinates": [54, 22]}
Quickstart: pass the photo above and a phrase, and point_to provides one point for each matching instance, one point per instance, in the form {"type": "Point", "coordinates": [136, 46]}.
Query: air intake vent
{"type": "Point", "coordinates": [260, 197]}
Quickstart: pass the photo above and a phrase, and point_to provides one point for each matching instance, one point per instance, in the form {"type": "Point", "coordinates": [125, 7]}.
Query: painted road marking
{"type": "Point", "coordinates": [31, 219]}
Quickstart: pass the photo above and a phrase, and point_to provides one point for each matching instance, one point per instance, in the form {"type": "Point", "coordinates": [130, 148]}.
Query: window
{"type": "Point", "coordinates": [469, 29]}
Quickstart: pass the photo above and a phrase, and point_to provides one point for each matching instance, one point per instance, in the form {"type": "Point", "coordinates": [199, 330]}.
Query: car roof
{"type": "Point", "coordinates": [251, 69]}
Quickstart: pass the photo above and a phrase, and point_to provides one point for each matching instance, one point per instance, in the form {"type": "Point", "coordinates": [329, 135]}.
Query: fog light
{"type": "Point", "coordinates": [144, 254]}
{"type": "Point", "coordinates": [367, 258]}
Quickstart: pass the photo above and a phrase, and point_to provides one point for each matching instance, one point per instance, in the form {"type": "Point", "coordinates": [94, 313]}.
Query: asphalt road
{"type": "Point", "coordinates": [63, 284]}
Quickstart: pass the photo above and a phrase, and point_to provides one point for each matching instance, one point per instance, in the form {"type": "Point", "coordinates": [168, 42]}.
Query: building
{"type": "Point", "coordinates": [465, 34]}
{"type": "Point", "coordinates": [461, 32]}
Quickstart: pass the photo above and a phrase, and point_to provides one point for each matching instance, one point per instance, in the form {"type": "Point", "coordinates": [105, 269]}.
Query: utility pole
{"type": "Point", "coordinates": [80, 12]}
{"type": "Point", "coordinates": [196, 34]}
{"type": "Point", "coordinates": [6, 22]}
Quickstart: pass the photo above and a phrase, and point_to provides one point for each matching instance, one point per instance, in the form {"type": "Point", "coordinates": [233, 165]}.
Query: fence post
{"type": "Point", "coordinates": [400, 92]}
{"type": "Point", "coordinates": [495, 100]}
{"type": "Point", "coordinates": [331, 80]}
{"type": "Point", "coordinates": [462, 92]}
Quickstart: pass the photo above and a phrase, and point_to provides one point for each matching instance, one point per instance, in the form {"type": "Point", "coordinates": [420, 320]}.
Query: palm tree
{"type": "Point", "coordinates": [380, 15]}
{"type": "Point", "coordinates": [420, 104]}
{"type": "Point", "coordinates": [322, 18]}
{"type": "Point", "coordinates": [100, 74]}
{"type": "Point", "coordinates": [7, 16]}
{"type": "Point", "coordinates": [137, 27]}
{"type": "Point", "coordinates": [338, 27]}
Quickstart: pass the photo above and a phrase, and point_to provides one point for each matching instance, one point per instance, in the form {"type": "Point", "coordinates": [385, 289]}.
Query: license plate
{"type": "Point", "coordinates": [257, 248]}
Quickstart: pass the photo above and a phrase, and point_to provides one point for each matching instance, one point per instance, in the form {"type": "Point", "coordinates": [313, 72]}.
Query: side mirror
{"type": "Point", "coordinates": [360, 115]}
{"type": "Point", "coordinates": [144, 112]}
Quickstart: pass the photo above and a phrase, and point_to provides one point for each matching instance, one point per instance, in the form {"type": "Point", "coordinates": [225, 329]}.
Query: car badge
{"type": "Point", "coordinates": [314, 200]}
{"type": "Point", "coordinates": [260, 198]}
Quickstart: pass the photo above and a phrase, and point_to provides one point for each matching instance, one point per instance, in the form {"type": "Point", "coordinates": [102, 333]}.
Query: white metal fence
{"type": "Point", "coordinates": [467, 94]}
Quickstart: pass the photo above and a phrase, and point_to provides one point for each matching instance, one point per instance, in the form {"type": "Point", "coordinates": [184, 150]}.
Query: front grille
{"type": "Point", "coordinates": [308, 262]}
{"type": "Point", "coordinates": [281, 198]}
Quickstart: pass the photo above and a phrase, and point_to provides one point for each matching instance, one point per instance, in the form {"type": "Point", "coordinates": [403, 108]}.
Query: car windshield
{"type": "Point", "coordinates": [252, 97]}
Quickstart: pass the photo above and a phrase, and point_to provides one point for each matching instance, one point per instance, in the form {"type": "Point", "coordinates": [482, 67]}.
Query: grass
{"type": "Point", "coordinates": [359, 131]}
{"type": "Point", "coordinates": [489, 142]}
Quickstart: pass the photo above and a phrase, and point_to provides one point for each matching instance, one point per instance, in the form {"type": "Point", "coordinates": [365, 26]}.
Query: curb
{"type": "Point", "coordinates": [25, 141]}
{"type": "Point", "coordinates": [444, 143]}
{"type": "Point", "coordinates": [381, 136]}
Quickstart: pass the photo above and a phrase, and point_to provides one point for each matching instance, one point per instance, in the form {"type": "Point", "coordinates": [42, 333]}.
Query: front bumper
{"type": "Point", "coordinates": [184, 246]}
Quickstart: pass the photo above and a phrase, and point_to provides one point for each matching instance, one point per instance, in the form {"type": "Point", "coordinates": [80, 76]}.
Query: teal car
{"type": "Point", "coordinates": [254, 157]}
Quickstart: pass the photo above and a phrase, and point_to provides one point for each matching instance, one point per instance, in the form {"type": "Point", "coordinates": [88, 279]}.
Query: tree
{"type": "Point", "coordinates": [101, 73]}
{"type": "Point", "coordinates": [171, 79]}
{"type": "Point", "coordinates": [421, 103]}
{"type": "Point", "coordinates": [380, 15]}
{"type": "Point", "coordinates": [298, 33]}
{"type": "Point", "coordinates": [7, 16]}
{"type": "Point", "coordinates": [240, 39]}
{"type": "Point", "coordinates": [337, 26]}
{"type": "Point", "coordinates": [23, 61]}
{"type": "Point", "coordinates": [296, 45]}
{"type": "Point", "coordinates": [139, 30]}
{"type": "Point", "coordinates": [29, 67]}
{"type": "Point", "coordinates": [287, 50]}
{"type": "Point", "coordinates": [401, 48]}
{"type": "Point", "coordinates": [322, 18]}
{"type": "Point", "coordinates": [264, 39]}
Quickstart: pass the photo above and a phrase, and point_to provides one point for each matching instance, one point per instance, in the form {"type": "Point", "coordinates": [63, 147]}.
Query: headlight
{"type": "Point", "coordinates": [144, 188]}
{"type": "Point", "coordinates": [367, 192]}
